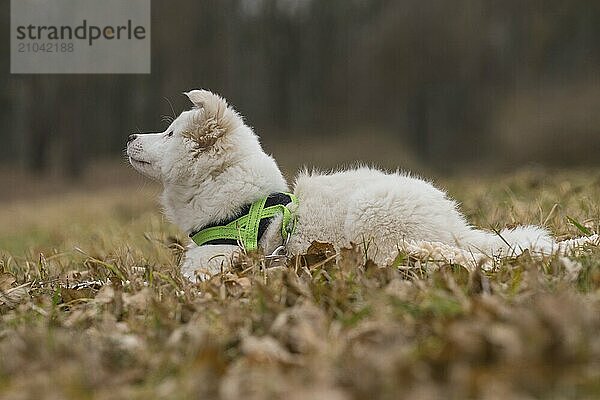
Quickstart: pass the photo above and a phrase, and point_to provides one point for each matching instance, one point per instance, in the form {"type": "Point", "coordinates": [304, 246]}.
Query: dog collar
{"type": "Point", "coordinates": [246, 228]}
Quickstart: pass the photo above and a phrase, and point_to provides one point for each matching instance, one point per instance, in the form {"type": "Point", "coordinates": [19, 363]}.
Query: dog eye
{"type": "Point", "coordinates": [170, 134]}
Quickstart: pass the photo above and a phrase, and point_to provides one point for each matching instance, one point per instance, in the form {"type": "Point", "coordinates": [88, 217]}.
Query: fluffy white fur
{"type": "Point", "coordinates": [211, 164]}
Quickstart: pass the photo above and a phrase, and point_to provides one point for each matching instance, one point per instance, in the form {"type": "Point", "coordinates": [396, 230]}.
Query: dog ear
{"type": "Point", "coordinates": [214, 120]}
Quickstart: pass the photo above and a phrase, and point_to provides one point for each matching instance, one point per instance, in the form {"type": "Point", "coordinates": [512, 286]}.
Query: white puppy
{"type": "Point", "coordinates": [213, 168]}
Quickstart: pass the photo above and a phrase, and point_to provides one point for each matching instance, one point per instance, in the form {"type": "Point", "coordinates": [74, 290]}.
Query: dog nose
{"type": "Point", "coordinates": [131, 138]}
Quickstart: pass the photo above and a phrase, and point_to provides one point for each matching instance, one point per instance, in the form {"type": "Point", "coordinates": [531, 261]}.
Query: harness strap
{"type": "Point", "coordinates": [246, 230]}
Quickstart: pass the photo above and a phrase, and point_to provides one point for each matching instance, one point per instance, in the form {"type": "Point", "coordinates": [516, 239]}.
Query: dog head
{"type": "Point", "coordinates": [196, 144]}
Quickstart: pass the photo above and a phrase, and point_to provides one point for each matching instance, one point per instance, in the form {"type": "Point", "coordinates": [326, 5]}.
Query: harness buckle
{"type": "Point", "coordinates": [277, 253]}
{"type": "Point", "coordinates": [281, 251]}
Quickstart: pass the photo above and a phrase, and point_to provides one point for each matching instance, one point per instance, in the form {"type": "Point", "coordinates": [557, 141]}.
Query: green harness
{"type": "Point", "coordinates": [246, 230]}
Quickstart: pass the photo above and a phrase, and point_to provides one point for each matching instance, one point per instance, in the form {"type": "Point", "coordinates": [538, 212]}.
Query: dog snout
{"type": "Point", "coordinates": [131, 138]}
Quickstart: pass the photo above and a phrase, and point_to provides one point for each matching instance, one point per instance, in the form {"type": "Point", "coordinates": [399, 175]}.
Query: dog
{"type": "Point", "coordinates": [223, 190]}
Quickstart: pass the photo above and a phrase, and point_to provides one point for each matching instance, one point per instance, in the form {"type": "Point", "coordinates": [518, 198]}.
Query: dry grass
{"type": "Point", "coordinates": [323, 328]}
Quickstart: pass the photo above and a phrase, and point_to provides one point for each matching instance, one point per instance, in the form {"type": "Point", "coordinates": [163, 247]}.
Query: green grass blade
{"type": "Point", "coordinates": [579, 226]}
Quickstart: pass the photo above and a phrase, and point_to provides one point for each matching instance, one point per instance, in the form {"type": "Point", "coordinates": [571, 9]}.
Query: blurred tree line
{"type": "Point", "coordinates": [454, 79]}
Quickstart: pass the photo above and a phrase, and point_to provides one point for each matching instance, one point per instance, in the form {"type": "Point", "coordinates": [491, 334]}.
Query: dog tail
{"type": "Point", "coordinates": [511, 242]}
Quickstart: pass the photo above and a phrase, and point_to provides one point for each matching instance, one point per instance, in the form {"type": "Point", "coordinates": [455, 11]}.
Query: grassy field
{"type": "Point", "coordinates": [92, 306]}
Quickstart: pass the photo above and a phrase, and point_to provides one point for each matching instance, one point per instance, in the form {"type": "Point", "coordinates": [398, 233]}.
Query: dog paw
{"type": "Point", "coordinates": [200, 270]}
{"type": "Point", "coordinates": [197, 276]}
